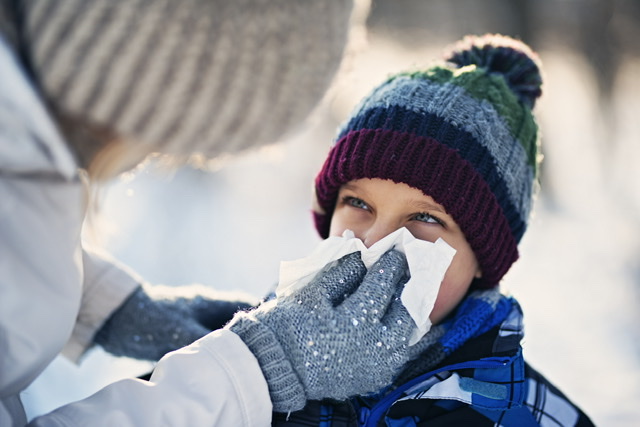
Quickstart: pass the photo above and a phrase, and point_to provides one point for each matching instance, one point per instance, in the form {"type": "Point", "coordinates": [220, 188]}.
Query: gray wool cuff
{"type": "Point", "coordinates": [145, 328]}
{"type": "Point", "coordinates": [285, 388]}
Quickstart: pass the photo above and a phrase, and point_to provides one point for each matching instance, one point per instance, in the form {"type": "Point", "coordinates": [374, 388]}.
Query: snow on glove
{"type": "Point", "coordinates": [344, 334]}
{"type": "Point", "coordinates": [155, 320]}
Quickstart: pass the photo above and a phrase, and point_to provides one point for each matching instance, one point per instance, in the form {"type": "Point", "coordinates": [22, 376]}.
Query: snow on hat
{"type": "Point", "coordinates": [462, 133]}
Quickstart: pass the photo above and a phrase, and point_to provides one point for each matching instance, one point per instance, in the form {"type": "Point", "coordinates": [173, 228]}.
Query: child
{"type": "Point", "coordinates": [451, 153]}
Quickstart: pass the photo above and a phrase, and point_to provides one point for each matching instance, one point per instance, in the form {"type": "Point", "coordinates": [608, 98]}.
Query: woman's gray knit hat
{"type": "Point", "coordinates": [186, 76]}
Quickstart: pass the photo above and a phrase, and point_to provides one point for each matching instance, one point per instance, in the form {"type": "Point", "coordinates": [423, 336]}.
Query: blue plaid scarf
{"type": "Point", "coordinates": [479, 312]}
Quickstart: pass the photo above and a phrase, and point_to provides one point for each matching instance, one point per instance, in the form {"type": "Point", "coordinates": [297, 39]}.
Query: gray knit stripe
{"type": "Point", "coordinates": [250, 58]}
{"type": "Point", "coordinates": [51, 25]}
{"type": "Point", "coordinates": [271, 70]}
{"type": "Point", "coordinates": [41, 12]}
{"type": "Point", "coordinates": [427, 361]}
{"type": "Point", "coordinates": [97, 66]}
{"type": "Point", "coordinates": [216, 87]}
{"type": "Point", "coordinates": [478, 117]}
{"type": "Point", "coordinates": [286, 71]}
{"type": "Point", "coordinates": [154, 122]}
{"type": "Point", "coordinates": [206, 72]}
{"type": "Point", "coordinates": [97, 81]}
{"type": "Point", "coordinates": [236, 80]}
{"type": "Point", "coordinates": [103, 58]}
{"type": "Point", "coordinates": [87, 53]}
{"type": "Point", "coordinates": [315, 80]}
{"type": "Point", "coordinates": [143, 91]}
{"type": "Point", "coordinates": [233, 110]}
{"type": "Point", "coordinates": [490, 296]}
{"type": "Point", "coordinates": [311, 80]}
{"type": "Point", "coordinates": [435, 333]}
{"type": "Point", "coordinates": [185, 92]}
{"type": "Point", "coordinates": [62, 60]}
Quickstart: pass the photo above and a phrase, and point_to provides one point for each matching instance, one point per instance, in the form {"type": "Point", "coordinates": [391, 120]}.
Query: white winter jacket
{"type": "Point", "coordinates": [54, 295]}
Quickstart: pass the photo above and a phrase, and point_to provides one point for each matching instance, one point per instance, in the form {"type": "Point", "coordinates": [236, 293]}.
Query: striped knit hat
{"type": "Point", "coordinates": [187, 76]}
{"type": "Point", "coordinates": [462, 133]}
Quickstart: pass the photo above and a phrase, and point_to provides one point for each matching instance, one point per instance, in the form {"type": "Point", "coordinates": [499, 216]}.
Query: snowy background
{"type": "Point", "coordinates": [578, 278]}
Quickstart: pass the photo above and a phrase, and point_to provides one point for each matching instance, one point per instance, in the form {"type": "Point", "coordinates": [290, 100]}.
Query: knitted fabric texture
{"type": "Point", "coordinates": [463, 133]}
{"type": "Point", "coordinates": [344, 334]}
{"type": "Point", "coordinates": [477, 314]}
{"type": "Point", "coordinates": [154, 321]}
{"type": "Point", "coordinates": [189, 76]}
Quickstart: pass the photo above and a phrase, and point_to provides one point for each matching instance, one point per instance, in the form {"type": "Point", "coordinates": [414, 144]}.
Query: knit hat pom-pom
{"type": "Point", "coordinates": [503, 55]}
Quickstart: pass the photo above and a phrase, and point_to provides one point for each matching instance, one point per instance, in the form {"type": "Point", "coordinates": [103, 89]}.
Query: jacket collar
{"type": "Point", "coordinates": [486, 372]}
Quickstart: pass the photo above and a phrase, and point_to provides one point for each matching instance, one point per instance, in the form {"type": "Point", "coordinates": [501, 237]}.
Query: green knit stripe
{"type": "Point", "coordinates": [493, 89]}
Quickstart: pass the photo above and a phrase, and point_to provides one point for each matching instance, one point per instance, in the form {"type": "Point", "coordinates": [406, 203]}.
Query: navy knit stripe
{"type": "Point", "coordinates": [437, 170]}
{"type": "Point", "coordinates": [430, 125]}
{"type": "Point", "coordinates": [477, 117]}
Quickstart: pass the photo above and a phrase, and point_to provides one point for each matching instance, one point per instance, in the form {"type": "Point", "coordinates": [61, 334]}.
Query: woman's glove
{"type": "Point", "coordinates": [344, 334]}
{"type": "Point", "coordinates": [155, 320]}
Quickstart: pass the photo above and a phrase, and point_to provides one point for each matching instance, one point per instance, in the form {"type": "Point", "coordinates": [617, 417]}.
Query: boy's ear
{"type": "Point", "coordinates": [478, 274]}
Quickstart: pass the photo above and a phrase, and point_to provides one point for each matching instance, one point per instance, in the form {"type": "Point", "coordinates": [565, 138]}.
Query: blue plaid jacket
{"type": "Point", "coordinates": [484, 383]}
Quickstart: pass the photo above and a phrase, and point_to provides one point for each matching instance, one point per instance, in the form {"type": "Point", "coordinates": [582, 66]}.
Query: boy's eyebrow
{"type": "Point", "coordinates": [355, 189]}
{"type": "Point", "coordinates": [419, 205]}
{"type": "Point", "coordinates": [426, 206]}
{"type": "Point", "coordinates": [350, 186]}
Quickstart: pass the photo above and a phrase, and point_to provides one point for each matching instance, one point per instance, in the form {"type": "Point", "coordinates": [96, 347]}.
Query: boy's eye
{"type": "Point", "coordinates": [355, 202]}
{"type": "Point", "coordinates": [425, 217]}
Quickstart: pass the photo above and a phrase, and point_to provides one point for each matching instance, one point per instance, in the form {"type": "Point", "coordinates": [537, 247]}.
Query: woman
{"type": "Point", "coordinates": [96, 86]}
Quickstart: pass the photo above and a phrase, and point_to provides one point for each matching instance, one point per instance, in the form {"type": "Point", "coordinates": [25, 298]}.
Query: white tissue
{"type": "Point", "coordinates": [427, 261]}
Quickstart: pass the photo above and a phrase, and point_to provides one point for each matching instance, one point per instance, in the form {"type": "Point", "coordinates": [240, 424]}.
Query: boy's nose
{"type": "Point", "coordinates": [377, 231]}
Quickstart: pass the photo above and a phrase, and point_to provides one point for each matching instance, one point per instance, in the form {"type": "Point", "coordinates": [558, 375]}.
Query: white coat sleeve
{"type": "Point", "coordinates": [41, 214]}
{"type": "Point", "coordinates": [106, 285]}
{"type": "Point", "coordinates": [216, 381]}
{"type": "Point", "coordinates": [40, 275]}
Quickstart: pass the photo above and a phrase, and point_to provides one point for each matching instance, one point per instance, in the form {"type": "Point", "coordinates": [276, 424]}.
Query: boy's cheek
{"type": "Point", "coordinates": [438, 313]}
{"type": "Point", "coordinates": [449, 296]}
{"type": "Point", "coordinates": [343, 220]}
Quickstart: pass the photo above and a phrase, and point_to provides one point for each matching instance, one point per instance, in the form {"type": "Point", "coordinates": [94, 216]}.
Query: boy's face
{"type": "Point", "coordinates": [374, 208]}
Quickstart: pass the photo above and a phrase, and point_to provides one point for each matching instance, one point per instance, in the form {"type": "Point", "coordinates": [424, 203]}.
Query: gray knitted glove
{"type": "Point", "coordinates": [344, 334]}
{"type": "Point", "coordinates": [155, 320]}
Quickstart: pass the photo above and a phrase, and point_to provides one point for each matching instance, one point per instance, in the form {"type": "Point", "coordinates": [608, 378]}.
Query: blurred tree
{"type": "Point", "coordinates": [604, 31]}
